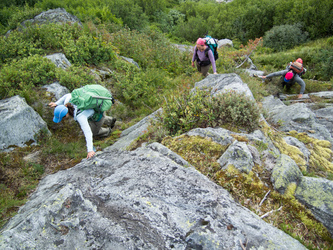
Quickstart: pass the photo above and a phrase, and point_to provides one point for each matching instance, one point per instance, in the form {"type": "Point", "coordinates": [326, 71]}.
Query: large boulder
{"type": "Point", "coordinates": [132, 133]}
{"type": "Point", "coordinates": [60, 60]}
{"type": "Point", "coordinates": [285, 173]}
{"type": "Point", "coordinates": [317, 194]}
{"type": "Point", "coordinates": [221, 83]}
{"type": "Point", "coordinates": [59, 15]}
{"type": "Point", "coordinates": [19, 123]}
{"type": "Point", "coordinates": [56, 89]}
{"type": "Point", "coordinates": [295, 117]}
{"type": "Point", "coordinates": [141, 199]}
{"type": "Point", "coordinates": [238, 155]}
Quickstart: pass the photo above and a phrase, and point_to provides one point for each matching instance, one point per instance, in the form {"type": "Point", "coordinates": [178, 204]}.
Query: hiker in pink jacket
{"type": "Point", "coordinates": [204, 57]}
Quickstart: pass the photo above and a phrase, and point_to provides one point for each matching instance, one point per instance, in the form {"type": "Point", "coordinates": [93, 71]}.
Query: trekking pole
{"type": "Point", "coordinates": [102, 97]}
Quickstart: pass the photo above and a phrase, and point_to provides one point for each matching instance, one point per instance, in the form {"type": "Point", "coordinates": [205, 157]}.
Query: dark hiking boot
{"type": "Point", "coordinates": [112, 122]}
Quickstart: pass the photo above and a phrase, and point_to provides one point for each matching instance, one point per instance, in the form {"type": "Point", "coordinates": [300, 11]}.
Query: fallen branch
{"type": "Point", "coordinates": [247, 57]}
{"type": "Point", "coordinates": [242, 245]}
{"type": "Point", "coordinates": [265, 197]}
{"type": "Point", "coordinates": [268, 213]}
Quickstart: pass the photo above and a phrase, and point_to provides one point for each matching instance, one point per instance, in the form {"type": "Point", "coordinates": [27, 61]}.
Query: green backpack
{"type": "Point", "coordinates": [92, 96]}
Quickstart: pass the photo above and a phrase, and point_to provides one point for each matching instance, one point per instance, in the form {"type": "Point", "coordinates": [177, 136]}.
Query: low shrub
{"type": "Point", "coordinates": [284, 37]}
{"type": "Point", "coordinates": [200, 110]}
{"type": "Point", "coordinates": [24, 74]}
{"type": "Point", "coordinates": [137, 88]}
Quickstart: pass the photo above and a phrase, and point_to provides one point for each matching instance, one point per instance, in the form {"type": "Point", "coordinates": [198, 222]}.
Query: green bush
{"type": "Point", "coordinates": [74, 77]}
{"type": "Point", "coordinates": [136, 88]}
{"type": "Point", "coordinates": [199, 110]}
{"type": "Point", "coordinates": [88, 50]}
{"type": "Point", "coordinates": [25, 74]}
{"type": "Point", "coordinates": [151, 50]}
{"type": "Point", "coordinates": [80, 46]}
{"type": "Point", "coordinates": [284, 37]}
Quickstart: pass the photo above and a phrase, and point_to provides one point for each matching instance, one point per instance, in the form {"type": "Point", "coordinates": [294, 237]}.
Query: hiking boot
{"type": "Point", "coordinates": [112, 122]}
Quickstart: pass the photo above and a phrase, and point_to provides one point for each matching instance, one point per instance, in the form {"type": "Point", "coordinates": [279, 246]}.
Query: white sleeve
{"type": "Point", "coordinates": [82, 119]}
{"type": "Point", "coordinates": [63, 100]}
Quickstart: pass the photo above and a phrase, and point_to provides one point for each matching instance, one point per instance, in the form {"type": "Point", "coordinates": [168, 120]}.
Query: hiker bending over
{"type": "Point", "coordinates": [64, 108]}
{"type": "Point", "coordinates": [291, 74]}
{"type": "Point", "coordinates": [204, 57]}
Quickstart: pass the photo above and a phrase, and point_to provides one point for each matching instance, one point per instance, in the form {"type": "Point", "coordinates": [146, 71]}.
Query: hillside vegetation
{"type": "Point", "coordinates": [145, 31]}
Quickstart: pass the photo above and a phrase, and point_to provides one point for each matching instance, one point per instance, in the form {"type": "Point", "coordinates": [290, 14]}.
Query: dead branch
{"type": "Point", "coordinates": [268, 213]}
{"type": "Point", "coordinates": [265, 197]}
{"type": "Point", "coordinates": [242, 245]}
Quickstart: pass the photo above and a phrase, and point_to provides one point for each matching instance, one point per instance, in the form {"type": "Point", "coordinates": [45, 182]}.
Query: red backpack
{"type": "Point", "coordinates": [297, 67]}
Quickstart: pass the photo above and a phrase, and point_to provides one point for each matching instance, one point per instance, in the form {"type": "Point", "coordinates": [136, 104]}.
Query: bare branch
{"type": "Point", "coordinates": [265, 197]}
{"type": "Point", "coordinates": [268, 213]}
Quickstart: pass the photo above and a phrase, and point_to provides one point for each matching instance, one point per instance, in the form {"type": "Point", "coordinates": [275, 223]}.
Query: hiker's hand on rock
{"type": "Point", "coordinates": [90, 154]}
{"type": "Point", "coordinates": [300, 96]}
{"type": "Point", "coordinates": [215, 73]}
{"type": "Point", "coordinates": [52, 104]}
{"type": "Point", "coordinates": [263, 77]}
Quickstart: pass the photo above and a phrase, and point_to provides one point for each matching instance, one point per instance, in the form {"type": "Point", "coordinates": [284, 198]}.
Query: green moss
{"type": "Point", "coordinates": [292, 151]}
{"type": "Point", "coordinates": [201, 152]}
{"type": "Point", "coordinates": [321, 153]}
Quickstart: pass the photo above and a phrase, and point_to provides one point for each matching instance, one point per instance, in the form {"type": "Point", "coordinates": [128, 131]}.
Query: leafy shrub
{"type": "Point", "coordinates": [188, 111]}
{"type": "Point", "coordinates": [16, 46]}
{"type": "Point", "coordinates": [74, 77]}
{"type": "Point", "coordinates": [25, 74]}
{"type": "Point", "coordinates": [79, 45]}
{"type": "Point", "coordinates": [284, 37]}
{"type": "Point", "coordinates": [88, 50]}
{"type": "Point", "coordinates": [151, 50]}
{"type": "Point", "coordinates": [137, 88]}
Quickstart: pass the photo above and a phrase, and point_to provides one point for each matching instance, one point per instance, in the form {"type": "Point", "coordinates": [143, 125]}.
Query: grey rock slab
{"type": "Point", "coordinates": [295, 117]}
{"type": "Point", "coordinates": [284, 173]}
{"type": "Point", "coordinates": [56, 89]}
{"type": "Point", "coordinates": [133, 132]}
{"type": "Point", "coordinates": [60, 60]}
{"type": "Point", "coordinates": [140, 199]}
{"type": "Point", "coordinates": [59, 15]}
{"type": "Point", "coordinates": [19, 123]}
{"type": "Point", "coordinates": [130, 60]}
{"type": "Point", "coordinates": [219, 135]}
{"type": "Point", "coordinates": [238, 155]}
{"type": "Point", "coordinates": [221, 83]}
{"type": "Point", "coordinates": [317, 194]}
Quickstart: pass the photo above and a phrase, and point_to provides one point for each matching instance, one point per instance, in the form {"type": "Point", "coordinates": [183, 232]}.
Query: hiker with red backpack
{"type": "Point", "coordinates": [204, 57]}
{"type": "Point", "coordinates": [89, 117]}
{"type": "Point", "coordinates": [291, 74]}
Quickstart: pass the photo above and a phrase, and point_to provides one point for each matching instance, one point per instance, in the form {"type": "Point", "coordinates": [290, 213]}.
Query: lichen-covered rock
{"type": "Point", "coordinates": [218, 135]}
{"type": "Point", "coordinates": [237, 155]}
{"type": "Point", "coordinates": [59, 15]}
{"type": "Point", "coordinates": [284, 173]}
{"type": "Point", "coordinates": [294, 142]}
{"type": "Point", "coordinates": [19, 123]}
{"type": "Point", "coordinates": [295, 117]}
{"type": "Point", "coordinates": [60, 60]}
{"type": "Point", "coordinates": [56, 89]}
{"type": "Point", "coordinates": [317, 194]}
{"type": "Point", "coordinates": [218, 84]}
{"type": "Point", "coordinates": [136, 200]}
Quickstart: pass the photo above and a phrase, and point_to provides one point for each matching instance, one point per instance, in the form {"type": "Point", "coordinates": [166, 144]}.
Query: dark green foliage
{"type": "Point", "coordinates": [138, 88]}
{"type": "Point", "coordinates": [74, 77]}
{"type": "Point", "coordinates": [150, 49]}
{"type": "Point", "coordinates": [284, 37]}
{"type": "Point", "coordinates": [22, 75]}
{"type": "Point", "coordinates": [81, 47]}
{"type": "Point", "coordinates": [199, 110]}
